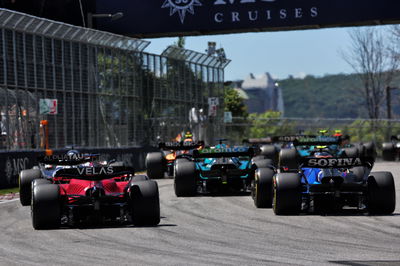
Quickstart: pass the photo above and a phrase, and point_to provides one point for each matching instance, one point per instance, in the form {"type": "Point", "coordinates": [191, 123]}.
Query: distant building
{"type": "Point", "coordinates": [261, 93]}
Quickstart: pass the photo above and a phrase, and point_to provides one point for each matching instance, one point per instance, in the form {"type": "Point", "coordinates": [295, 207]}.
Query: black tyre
{"type": "Point", "coordinates": [155, 165]}
{"type": "Point", "coordinates": [185, 179]}
{"type": "Point", "coordinates": [258, 158]}
{"type": "Point", "coordinates": [25, 185]}
{"type": "Point", "coordinates": [46, 211]}
{"type": "Point", "coordinates": [138, 178]}
{"type": "Point", "coordinates": [263, 190]}
{"type": "Point", "coordinates": [381, 193]}
{"type": "Point", "coordinates": [370, 149]}
{"type": "Point", "coordinates": [287, 194]}
{"type": "Point", "coordinates": [270, 152]}
{"type": "Point", "coordinates": [40, 181]}
{"type": "Point", "coordinates": [351, 152]}
{"type": "Point", "coordinates": [388, 151]}
{"type": "Point", "coordinates": [359, 173]}
{"type": "Point", "coordinates": [266, 163]}
{"type": "Point", "coordinates": [288, 159]}
{"type": "Point", "coordinates": [145, 203]}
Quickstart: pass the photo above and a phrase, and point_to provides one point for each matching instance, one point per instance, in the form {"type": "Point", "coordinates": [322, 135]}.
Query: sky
{"type": "Point", "coordinates": [296, 53]}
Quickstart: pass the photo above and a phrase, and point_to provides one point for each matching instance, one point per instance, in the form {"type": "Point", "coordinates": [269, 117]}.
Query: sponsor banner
{"type": "Point", "coordinates": [335, 162]}
{"type": "Point", "coordinates": [223, 152]}
{"type": "Point", "coordinates": [227, 117]}
{"type": "Point", "coordinates": [177, 17]}
{"type": "Point", "coordinates": [183, 145]}
{"type": "Point", "coordinates": [48, 106]}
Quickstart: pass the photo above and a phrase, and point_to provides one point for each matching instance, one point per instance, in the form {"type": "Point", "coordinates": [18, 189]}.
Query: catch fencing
{"type": "Point", "coordinates": [96, 89]}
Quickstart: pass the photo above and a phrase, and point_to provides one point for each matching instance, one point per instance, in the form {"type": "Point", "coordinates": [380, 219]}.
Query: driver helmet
{"type": "Point", "coordinates": [322, 154]}
{"type": "Point", "coordinates": [72, 152]}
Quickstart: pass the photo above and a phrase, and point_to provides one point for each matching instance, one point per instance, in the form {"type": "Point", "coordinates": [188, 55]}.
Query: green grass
{"type": "Point", "coordinates": [8, 190]}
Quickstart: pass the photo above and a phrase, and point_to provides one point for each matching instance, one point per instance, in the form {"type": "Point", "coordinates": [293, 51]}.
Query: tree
{"type": "Point", "coordinates": [270, 124]}
{"type": "Point", "coordinates": [235, 103]}
{"type": "Point", "coordinates": [371, 56]}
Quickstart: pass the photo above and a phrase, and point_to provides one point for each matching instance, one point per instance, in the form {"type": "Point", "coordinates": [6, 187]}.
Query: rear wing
{"type": "Point", "coordinates": [316, 141]}
{"type": "Point", "coordinates": [95, 173]}
{"type": "Point", "coordinates": [276, 139]}
{"type": "Point", "coordinates": [65, 159]}
{"type": "Point", "coordinates": [223, 152]}
{"type": "Point", "coordinates": [181, 146]}
{"type": "Point", "coordinates": [335, 162]}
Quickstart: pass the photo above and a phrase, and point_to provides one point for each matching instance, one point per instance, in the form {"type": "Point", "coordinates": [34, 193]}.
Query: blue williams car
{"type": "Point", "coordinates": [315, 177]}
{"type": "Point", "coordinates": [214, 169]}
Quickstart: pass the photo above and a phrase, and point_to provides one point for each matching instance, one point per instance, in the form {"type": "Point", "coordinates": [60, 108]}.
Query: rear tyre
{"type": "Point", "coordinates": [185, 179]}
{"type": "Point", "coordinates": [288, 159]}
{"type": "Point", "coordinates": [145, 201]}
{"type": "Point", "coordinates": [45, 209]}
{"type": "Point", "coordinates": [287, 194]}
{"type": "Point", "coordinates": [359, 173]}
{"type": "Point", "coordinates": [155, 165]}
{"type": "Point", "coordinates": [370, 149]}
{"type": "Point", "coordinates": [381, 193]}
{"type": "Point", "coordinates": [351, 152]}
{"type": "Point", "coordinates": [25, 185]}
{"type": "Point", "coordinates": [388, 151]}
{"type": "Point", "coordinates": [263, 190]}
{"type": "Point", "coordinates": [138, 178]}
{"type": "Point", "coordinates": [270, 152]}
{"type": "Point", "coordinates": [266, 163]}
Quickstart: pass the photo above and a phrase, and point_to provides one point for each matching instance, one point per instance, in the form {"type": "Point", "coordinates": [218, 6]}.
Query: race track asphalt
{"type": "Point", "coordinates": [206, 230]}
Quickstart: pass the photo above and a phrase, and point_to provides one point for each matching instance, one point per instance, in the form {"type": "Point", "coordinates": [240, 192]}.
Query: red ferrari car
{"type": "Point", "coordinates": [98, 193]}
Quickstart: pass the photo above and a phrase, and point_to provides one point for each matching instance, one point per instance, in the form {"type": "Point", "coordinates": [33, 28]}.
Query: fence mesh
{"type": "Point", "coordinates": [109, 92]}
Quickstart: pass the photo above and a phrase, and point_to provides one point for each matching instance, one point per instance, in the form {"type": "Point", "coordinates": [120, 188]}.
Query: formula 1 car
{"type": "Point", "coordinates": [391, 150]}
{"type": "Point", "coordinates": [48, 165]}
{"type": "Point", "coordinates": [268, 148]}
{"type": "Point", "coordinates": [214, 169]}
{"type": "Point", "coordinates": [157, 163]}
{"type": "Point", "coordinates": [94, 194]}
{"type": "Point", "coordinates": [324, 181]}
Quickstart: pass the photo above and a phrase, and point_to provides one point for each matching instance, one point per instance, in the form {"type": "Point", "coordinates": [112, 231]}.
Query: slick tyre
{"type": "Point", "coordinates": [25, 184]}
{"type": "Point", "coordinates": [388, 151]}
{"type": "Point", "coordinates": [266, 163]}
{"type": "Point", "coordinates": [155, 165]}
{"type": "Point", "coordinates": [288, 159]}
{"type": "Point", "coordinates": [287, 194]}
{"type": "Point", "coordinates": [263, 190]}
{"type": "Point", "coordinates": [270, 152]}
{"type": "Point", "coordinates": [138, 178]}
{"type": "Point", "coordinates": [351, 152]}
{"type": "Point", "coordinates": [145, 201]}
{"type": "Point", "coordinates": [370, 150]}
{"type": "Point", "coordinates": [185, 179]}
{"type": "Point", "coordinates": [381, 193]}
{"type": "Point", "coordinates": [45, 208]}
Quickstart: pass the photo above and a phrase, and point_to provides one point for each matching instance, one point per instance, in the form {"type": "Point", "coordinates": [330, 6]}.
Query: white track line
{"type": "Point", "coordinates": [7, 201]}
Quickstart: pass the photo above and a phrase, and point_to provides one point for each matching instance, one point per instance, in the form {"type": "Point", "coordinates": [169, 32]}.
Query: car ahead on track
{"type": "Point", "coordinates": [48, 165]}
{"type": "Point", "coordinates": [159, 163]}
{"type": "Point", "coordinates": [94, 194]}
{"type": "Point", "coordinates": [268, 148]}
{"type": "Point", "coordinates": [214, 169]}
{"type": "Point", "coordinates": [391, 150]}
{"type": "Point", "coordinates": [325, 181]}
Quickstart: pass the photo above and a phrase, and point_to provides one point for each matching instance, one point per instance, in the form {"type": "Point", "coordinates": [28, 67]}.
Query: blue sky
{"type": "Point", "coordinates": [297, 53]}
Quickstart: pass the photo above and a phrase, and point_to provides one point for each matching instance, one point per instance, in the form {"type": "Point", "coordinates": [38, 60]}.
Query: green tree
{"type": "Point", "coordinates": [235, 103]}
{"type": "Point", "coordinates": [269, 124]}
